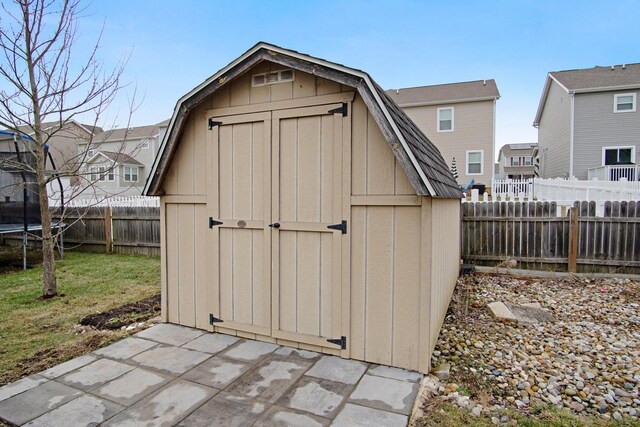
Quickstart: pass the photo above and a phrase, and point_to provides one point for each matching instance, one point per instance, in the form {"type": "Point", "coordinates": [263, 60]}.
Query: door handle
{"type": "Point", "coordinates": [275, 225]}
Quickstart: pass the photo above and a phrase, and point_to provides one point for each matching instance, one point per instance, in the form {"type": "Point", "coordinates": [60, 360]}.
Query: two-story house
{"type": "Point", "coordinates": [118, 161]}
{"type": "Point", "coordinates": [516, 161]}
{"type": "Point", "coordinates": [459, 118]}
{"type": "Point", "coordinates": [588, 123]}
{"type": "Point", "coordinates": [62, 140]}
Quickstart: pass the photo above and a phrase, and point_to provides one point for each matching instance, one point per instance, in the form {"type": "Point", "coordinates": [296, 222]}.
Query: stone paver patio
{"type": "Point", "coordinates": [172, 375]}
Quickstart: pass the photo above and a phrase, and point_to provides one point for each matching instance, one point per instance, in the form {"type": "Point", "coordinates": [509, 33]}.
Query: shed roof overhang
{"type": "Point", "coordinates": [421, 161]}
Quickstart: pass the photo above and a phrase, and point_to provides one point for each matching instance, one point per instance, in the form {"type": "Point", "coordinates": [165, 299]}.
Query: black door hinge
{"type": "Point", "coordinates": [342, 227]}
{"type": "Point", "coordinates": [213, 222]}
{"type": "Point", "coordinates": [213, 123]}
{"type": "Point", "coordinates": [344, 110]}
{"type": "Point", "coordinates": [213, 319]}
{"type": "Point", "coordinates": [342, 342]}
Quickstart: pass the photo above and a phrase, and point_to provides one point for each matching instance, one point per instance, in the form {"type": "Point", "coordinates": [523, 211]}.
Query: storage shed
{"type": "Point", "coordinates": [300, 206]}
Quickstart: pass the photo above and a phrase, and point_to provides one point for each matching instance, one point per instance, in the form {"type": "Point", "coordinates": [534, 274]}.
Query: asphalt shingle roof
{"type": "Point", "coordinates": [452, 92]}
{"type": "Point", "coordinates": [599, 77]}
{"type": "Point", "coordinates": [139, 132]}
{"type": "Point", "coordinates": [121, 158]}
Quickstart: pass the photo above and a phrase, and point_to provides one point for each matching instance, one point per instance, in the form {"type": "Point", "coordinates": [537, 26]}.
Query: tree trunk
{"type": "Point", "coordinates": [49, 285]}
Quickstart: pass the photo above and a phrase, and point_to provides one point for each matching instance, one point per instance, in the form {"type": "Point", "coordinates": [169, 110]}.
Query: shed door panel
{"type": "Point", "coordinates": [243, 202]}
{"type": "Point", "coordinates": [307, 198]}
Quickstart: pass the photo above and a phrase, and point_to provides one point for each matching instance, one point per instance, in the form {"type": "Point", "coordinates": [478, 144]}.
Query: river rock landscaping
{"type": "Point", "coordinates": [587, 361]}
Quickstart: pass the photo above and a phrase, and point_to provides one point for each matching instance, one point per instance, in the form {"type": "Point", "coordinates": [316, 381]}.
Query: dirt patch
{"type": "Point", "coordinates": [49, 357]}
{"type": "Point", "coordinates": [124, 315]}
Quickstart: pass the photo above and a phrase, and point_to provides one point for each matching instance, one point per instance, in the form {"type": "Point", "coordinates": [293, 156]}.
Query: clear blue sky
{"type": "Point", "coordinates": [178, 44]}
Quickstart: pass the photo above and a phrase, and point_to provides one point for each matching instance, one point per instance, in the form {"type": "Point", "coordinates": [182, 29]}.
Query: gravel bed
{"type": "Point", "coordinates": [588, 361]}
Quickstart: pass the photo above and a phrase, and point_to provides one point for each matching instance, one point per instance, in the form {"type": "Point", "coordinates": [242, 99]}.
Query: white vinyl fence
{"type": "Point", "coordinates": [113, 201]}
{"type": "Point", "coordinates": [562, 191]}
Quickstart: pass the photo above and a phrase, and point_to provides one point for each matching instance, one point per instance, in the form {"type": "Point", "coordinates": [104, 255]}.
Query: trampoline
{"type": "Point", "coordinates": [20, 202]}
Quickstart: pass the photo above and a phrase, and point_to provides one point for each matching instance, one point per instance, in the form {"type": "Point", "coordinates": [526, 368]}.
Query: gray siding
{"type": "Point", "coordinates": [597, 126]}
{"type": "Point", "coordinates": [554, 133]}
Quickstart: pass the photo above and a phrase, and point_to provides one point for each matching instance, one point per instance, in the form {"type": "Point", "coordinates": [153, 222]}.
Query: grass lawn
{"type": "Point", "coordinates": [37, 333]}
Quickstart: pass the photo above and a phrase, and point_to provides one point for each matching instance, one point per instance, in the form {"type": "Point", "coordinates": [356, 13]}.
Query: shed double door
{"type": "Point", "coordinates": [279, 194]}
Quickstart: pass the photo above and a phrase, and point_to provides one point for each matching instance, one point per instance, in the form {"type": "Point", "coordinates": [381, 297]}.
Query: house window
{"type": "Point", "coordinates": [445, 119]}
{"type": "Point", "coordinates": [528, 161]}
{"type": "Point", "coordinates": [515, 161]}
{"type": "Point", "coordinates": [91, 152]}
{"type": "Point", "coordinates": [106, 175]}
{"type": "Point", "coordinates": [131, 173]}
{"type": "Point", "coordinates": [144, 144]}
{"type": "Point", "coordinates": [624, 102]}
{"type": "Point", "coordinates": [474, 162]}
{"type": "Point", "coordinates": [618, 156]}
{"type": "Point", "coordinates": [94, 173]}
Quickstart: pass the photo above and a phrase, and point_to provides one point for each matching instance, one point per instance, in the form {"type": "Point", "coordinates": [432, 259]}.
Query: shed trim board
{"type": "Point", "coordinates": [288, 216]}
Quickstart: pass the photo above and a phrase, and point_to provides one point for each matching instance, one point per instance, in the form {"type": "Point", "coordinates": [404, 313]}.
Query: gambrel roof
{"type": "Point", "coordinates": [420, 159]}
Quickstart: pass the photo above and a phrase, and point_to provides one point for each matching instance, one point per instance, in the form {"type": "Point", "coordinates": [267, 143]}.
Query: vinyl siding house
{"type": "Point", "coordinates": [515, 161]}
{"type": "Point", "coordinates": [589, 123]}
{"type": "Point", "coordinates": [118, 161]}
{"type": "Point", "coordinates": [63, 140]}
{"type": "Point", "coordinates": [459, 118]}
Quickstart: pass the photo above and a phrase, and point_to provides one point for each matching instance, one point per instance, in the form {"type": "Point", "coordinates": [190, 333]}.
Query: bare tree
{"type": "Point", "coordinates": [46, 81]}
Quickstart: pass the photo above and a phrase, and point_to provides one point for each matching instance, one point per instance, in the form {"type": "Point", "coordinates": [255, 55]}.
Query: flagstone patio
{"type": "Point", "coordinates": [172, 375]}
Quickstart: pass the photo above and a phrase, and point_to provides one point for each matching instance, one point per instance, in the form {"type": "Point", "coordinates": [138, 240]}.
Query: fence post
{"type": "Point", "coordinates": [108, 232]}
{"type": "Point", "coordinates": [573, 240]}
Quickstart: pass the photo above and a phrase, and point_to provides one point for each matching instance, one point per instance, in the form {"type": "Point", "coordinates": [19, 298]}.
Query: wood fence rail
{"type": "Point", "coordinates": [532, 234]}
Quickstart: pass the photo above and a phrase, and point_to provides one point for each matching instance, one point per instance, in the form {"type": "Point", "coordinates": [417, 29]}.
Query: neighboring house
{"type": "Point", "coordinates": [588, 122]}
{"type": "Point", "coordinates": [62, 140]}
{"type": "Point", "coordinates": [460, 120]}
{"type": "Point", "coordinates": [119, 160]}
{"type": "Point", "coordinates": [515, 161]}
{"type": "Point", "coordinates": [63, 144]}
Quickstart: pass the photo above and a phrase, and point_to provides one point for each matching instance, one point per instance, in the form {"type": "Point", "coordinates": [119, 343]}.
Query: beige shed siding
{"type": "Point", "coordinates": [554, 133]}
{"type": "Point", "coordinates": [473, 130]}
{"type": "Point", "coordinates": [385, 284]}
{"type": "Point", "coordinates": [597, 126]}
{"type": "Point", "coordinates": [188, 295]}
{"type": "Point", "coordinates": [445, 265]}
{"type": "Point", "coordinates": [374, 170]}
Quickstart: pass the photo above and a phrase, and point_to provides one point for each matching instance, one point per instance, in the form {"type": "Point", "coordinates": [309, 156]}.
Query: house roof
{"type": "Point", "coordinates": [478, 90]}
{"type": "Point", "coordinates": [118, 158]}
{"type": "Point", "coordinates": [509, 149]}
{"type": "Point", "coordinates": [420, 159]}
{"type": "Point", "coordinates": [28, 129]}
{"type": "Point", "coordinates": [131, 133]}
{"type": "Point", "coordinates": [596, 79]}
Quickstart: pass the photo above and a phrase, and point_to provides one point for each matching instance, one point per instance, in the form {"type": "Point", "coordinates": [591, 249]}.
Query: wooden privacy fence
{"type": "Point", "coordinates": [532, 234]}
{"type": "Point", "coordinates": [122, 230]}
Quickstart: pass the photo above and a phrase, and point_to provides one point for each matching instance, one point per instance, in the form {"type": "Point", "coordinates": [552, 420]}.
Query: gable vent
{"type": "Point", "coordinates": [272, 77]}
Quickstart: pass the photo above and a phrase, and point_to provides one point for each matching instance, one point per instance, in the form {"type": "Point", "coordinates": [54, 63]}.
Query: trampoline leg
{"type": "Point", "coordinates": [24, 251]}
